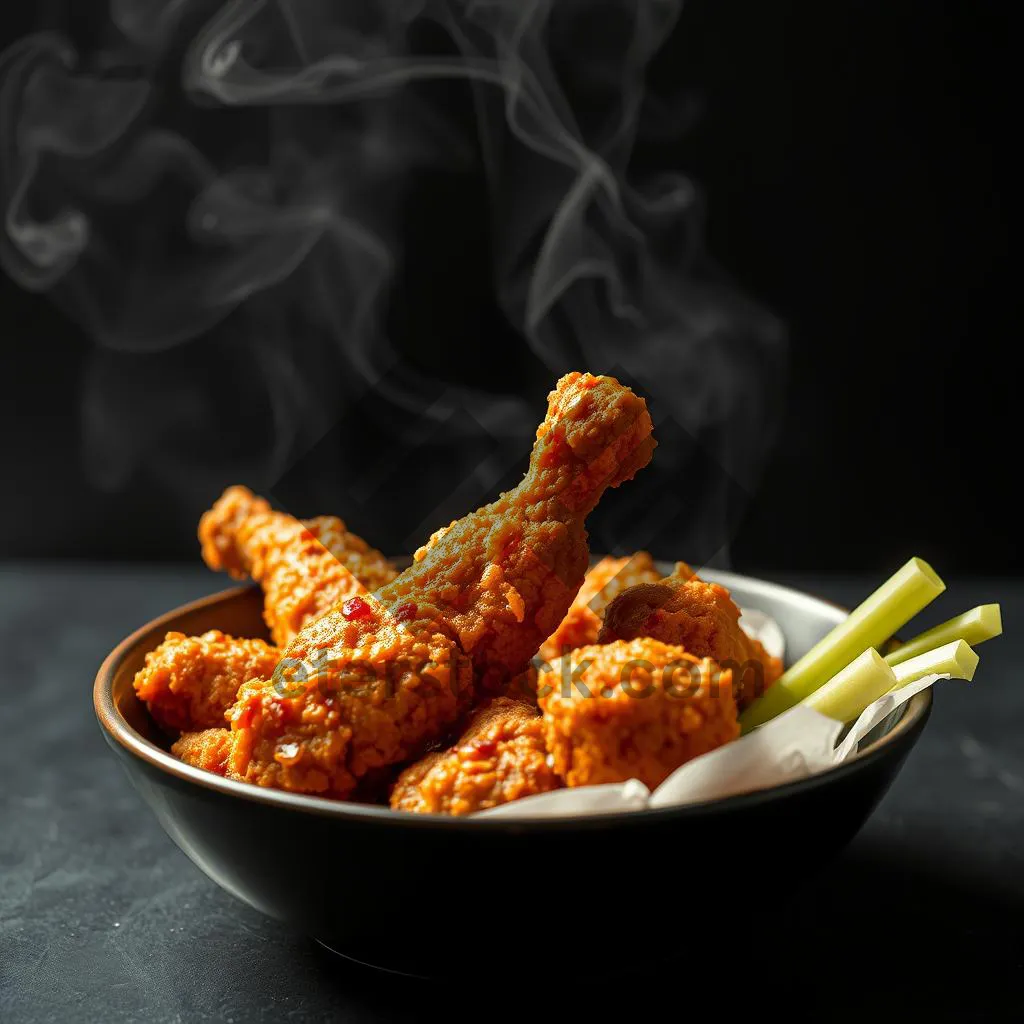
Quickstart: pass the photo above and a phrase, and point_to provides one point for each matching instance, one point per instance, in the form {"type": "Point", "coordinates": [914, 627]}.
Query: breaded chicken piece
{"type": "Point", "coordinates": [500, 757]}
{"type": "Point", "coordinates": [504, 577]}
{"type": "Point", "coordinates": [634, 709]}
{"type": "Point", "coordinates": [359, 689]}
{"type": "Point", "coordinates": [380, 677]}
{"type": "Point", "coordinates": [701, 617]}
{"type": "Point", "coordinates": [209, 749]}
{"type": "Point", "coordinates": [602, 584]}
{"type": "Point", "coordinates": [188, 682]}
{"type": "Point", "coordinates": [304, 566]}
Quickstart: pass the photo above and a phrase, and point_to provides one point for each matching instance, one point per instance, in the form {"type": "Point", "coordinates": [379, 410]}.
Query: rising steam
{"type": "Point", "coordinates": [217, 191]}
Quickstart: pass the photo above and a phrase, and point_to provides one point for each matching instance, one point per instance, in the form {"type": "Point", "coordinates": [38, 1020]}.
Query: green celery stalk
{"type": "Point", "coordinates": [861, 683]}
{"type": "Point", "coordinates": [955, 659]}
{"type": "Point", "coordinates": [888, 609]}
{"type": "Point", "coordinates": [979, 624]}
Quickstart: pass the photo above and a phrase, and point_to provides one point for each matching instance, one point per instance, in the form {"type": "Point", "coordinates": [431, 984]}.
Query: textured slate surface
{"type": "Point", "coordinates": [102, 918]}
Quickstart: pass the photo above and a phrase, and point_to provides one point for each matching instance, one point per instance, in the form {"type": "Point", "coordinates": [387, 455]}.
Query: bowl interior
{"type": "Point", "coordinates": [803, 619]}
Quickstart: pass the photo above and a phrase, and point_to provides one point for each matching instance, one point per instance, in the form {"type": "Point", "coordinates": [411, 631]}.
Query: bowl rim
{"type": "Point", "coordinates": [116, 729]}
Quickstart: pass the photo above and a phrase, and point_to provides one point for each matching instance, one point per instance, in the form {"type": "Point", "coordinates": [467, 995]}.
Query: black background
{"type": "Point", "coordinates": [855, 160]}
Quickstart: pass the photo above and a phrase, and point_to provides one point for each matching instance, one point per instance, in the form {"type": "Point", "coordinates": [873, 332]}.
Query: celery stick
{"type": "Point", "coordinates": [889, 608]}
{"type": "Point", "coordinates": [861, 683]}
{"type": "Point", "coordinates": [956, 659]}
{"type": "Point", "coordinates": [981, 623]}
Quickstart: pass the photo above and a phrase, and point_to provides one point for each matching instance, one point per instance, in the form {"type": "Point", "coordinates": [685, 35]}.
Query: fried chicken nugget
{"type": "Point", "coordinates": [189, 682]}
{"type": "Point", "coordinates": [634, 709]}
{"type": "Point", "coordinates": [500, 757]}
{"type": "Point", "coordinates": [209, 749]}
{"type": "Point", "coordinates": [702, 617]}
{"type": "Point", "coordinates": [602, 584]}
{"type": "Point", "coordinates": [379, 678]}
{"type": "Point", "coordinates": [304, 566]}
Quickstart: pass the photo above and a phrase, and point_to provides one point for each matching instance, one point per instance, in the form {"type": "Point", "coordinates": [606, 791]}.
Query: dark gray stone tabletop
{"type": "Point", "coordinates": [103, 919]}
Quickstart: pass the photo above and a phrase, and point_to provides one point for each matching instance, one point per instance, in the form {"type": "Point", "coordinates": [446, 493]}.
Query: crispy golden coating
{"type": "Point", "coordinates": [603, 583]}
{"type": "Point", "coordinates": [188, 682]}
{"type": "Point", "coordinates": [634, 709]}
{"type": "Point", "coordinates": [353, 694]}
{"type": "Point", "coordinates": [500, 757]}
{"type": "Point", "coordinates": [683, 609]}
{"type": "Point", "coordinates": [304, 567]}
{"type": "Point", "coordinates": [380, 677]}
{"type": "Point", "coordinates": [209, 749]}
{"type": "Point", "coordinates": [504, 577]}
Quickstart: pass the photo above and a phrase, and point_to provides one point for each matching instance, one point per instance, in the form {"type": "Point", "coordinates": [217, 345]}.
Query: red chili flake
{"type": "Point", "coordinates": [244, 716]}
{"type": "Point", "coordinates": [356, 608]}
{"type": "Point", "coordinates": [476, 750]}
{"type": "Point", "coordinates": [406, 611]}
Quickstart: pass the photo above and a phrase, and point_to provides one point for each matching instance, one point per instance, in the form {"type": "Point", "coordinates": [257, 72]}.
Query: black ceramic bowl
{"type": "Point", "coordinates": [431, 895]}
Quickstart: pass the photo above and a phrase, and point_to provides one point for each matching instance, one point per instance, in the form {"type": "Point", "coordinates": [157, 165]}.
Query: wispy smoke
{"type": "Point", "coordinates": [217, 193]}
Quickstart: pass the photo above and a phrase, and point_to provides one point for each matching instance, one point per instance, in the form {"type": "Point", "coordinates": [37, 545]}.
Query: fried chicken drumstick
{"type": "Point", "coordinates": [304, 566]}
{"type": "Point", "coordinates": [189, 682]}
{"type": "Point", "coordinates": [504, 577]}
{"type": "Point", "coordinates": [500, 757]}
{"type": "Point", "coordinates": [379, 677]}
{"type": "Point", "coordinates": [699, 616]}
